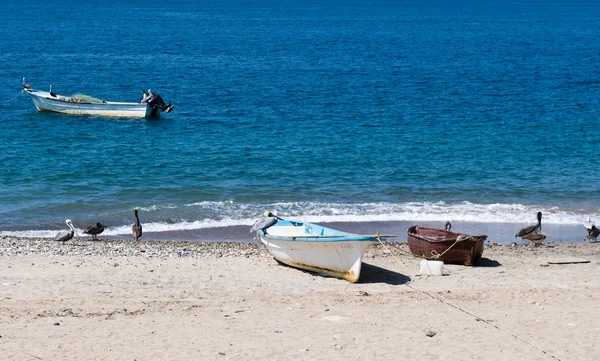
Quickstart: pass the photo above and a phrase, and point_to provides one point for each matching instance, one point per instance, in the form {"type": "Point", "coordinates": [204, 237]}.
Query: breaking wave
{"type": "Point", "coordinates": [202, 215]}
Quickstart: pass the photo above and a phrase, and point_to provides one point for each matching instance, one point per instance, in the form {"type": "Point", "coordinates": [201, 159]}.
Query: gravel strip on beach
{"type": "Point", "coordinates": [23, 246]}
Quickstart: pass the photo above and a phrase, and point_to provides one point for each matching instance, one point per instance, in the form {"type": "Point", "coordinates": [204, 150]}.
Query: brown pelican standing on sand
{"type": "Point", "coordinates": [593, 233]}
{"type": "Point", "coordinates": [94, 230]}
{"type": "Point", "coordinates": [64, 236]}
{"type": "Point", "coordinates": [136, 229]}
{"type": "Point", "coordinates": [531, 229]}
{"type": "Point", "coordinates": [52, 94]}
{"type": "Point", "coordinates": [536, 238]}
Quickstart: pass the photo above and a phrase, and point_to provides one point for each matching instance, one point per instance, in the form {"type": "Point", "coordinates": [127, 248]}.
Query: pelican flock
{"type": "Point", "coordinates": [530, 233]}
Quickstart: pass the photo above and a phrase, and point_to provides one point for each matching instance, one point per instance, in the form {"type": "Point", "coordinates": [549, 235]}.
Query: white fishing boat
{"type": "Point", "coordinates": [316, 248]}
{"type": "Point", "coordinates": [150, 106]}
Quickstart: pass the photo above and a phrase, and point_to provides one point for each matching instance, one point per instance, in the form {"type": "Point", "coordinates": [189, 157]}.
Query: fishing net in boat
{"type": "Point", "coordinates": [82, 98]}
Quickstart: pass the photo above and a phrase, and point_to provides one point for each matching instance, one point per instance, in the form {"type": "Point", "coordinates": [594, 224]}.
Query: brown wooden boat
{"type": "Point", "coordinates": [446, 246]}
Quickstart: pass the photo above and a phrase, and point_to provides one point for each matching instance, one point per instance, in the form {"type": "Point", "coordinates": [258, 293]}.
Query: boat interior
{"type": "Point", "coordinates": [297, 229]}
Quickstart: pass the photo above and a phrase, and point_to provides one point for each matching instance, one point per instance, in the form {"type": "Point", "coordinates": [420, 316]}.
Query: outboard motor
{"type": "Point", "coordinates": [156, 102]}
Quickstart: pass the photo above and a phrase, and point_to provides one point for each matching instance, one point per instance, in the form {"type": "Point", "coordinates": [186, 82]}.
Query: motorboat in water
{"type": "Point", "coordinates": [150, 106]}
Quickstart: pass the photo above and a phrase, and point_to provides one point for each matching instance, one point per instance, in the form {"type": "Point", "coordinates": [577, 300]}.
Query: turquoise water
{"type": "Point", "coordinates": [324, 111]}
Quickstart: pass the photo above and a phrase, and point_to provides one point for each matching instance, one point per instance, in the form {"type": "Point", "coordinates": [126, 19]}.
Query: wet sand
{"type": "Point", "coordinates": [231, 301]}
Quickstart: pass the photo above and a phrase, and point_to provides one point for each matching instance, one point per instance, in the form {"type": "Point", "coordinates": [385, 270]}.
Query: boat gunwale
{"type": "Point", "coordinates": [479, 238]}
{"type": "Point", "coordinates": [33, 92]}
{"type": "Point", "coordinates": [329, 239]}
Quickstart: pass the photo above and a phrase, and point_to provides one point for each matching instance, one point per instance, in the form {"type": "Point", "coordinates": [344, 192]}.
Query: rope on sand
{"type": "Point", "coordinates": [13, 98]}
{"type": "Point", "coordinates": [393, 255]}
{"type": "Point", "coordinates": [441, 299]}
{"type": "Point", "coordinates": [438, 297]}
{"type": "Point", "coordinates": [28, 354]}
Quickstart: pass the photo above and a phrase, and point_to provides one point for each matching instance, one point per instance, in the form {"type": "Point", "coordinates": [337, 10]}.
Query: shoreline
{"type": "Point", "coordinates": [501, 233]}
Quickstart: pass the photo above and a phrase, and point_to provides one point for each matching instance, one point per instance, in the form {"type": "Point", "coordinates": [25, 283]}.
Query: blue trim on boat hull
{"type": "Point", "coordinates": [328, 235]}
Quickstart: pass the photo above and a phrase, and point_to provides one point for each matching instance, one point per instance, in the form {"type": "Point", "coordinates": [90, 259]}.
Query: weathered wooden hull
{"type": "Point", "coordinates": [429, 242]}
{"type": "Point", "coordinates": [337, 256]}
{"type": "Point", "coordinates": [43, 101]}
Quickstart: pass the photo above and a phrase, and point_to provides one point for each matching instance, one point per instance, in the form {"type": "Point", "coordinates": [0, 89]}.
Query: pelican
{"type": "Point", "coordinates": [94, 230]}
{"type": "Point", "coordinates": [25, 85]}
{"type": "Point", "coordinates": [531, 229]}
{"type": "Point", "coordinates": [534, 237]}
{"type": "Point", "coordinates": [264, 223]}
{"type": "Point", "coordinates": [593, 233]}
{"type": "Point", "coordinates": [136, 229]}
{"type": "Point", "coordinates": [448, 226]}
{"type": "Point", "coordinates": [64, 236]}
{"type": "Point", "coordinates": [145, 96]}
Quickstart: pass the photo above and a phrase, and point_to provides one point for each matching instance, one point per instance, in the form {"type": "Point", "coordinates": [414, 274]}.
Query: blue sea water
{"type": "Point", "coordinates": [322, 110]}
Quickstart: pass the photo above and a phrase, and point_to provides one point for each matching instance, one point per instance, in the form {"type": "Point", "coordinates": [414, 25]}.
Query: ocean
{"type": "Point", "coordinates": [352, 112]}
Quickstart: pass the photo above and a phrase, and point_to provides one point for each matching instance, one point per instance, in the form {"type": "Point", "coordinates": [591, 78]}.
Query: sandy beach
{"type": "Point", "coordinates": [231, 301]}
{"type": "Point", "coordinates": [366, 117]}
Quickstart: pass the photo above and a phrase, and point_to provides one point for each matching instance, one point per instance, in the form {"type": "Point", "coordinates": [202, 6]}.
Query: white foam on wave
{"type": "Point", "coordinates": [126, 229]}
{"type": "Point", "coordinates": [428, 211]}
{"type": "Point", "coordinates": [31, 233]}
{"type": "Point", "coordinates": [229, 213]}
{"type": "Point", "coordinates": [156, 207]}
{"type": "Point", "coordinates": [180, 226]}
